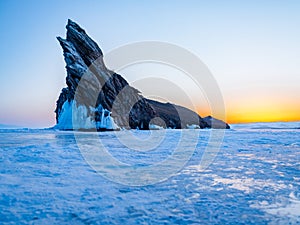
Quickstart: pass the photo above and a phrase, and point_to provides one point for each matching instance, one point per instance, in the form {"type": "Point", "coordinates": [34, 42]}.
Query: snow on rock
{"type": "Point", "coordinates": [193, 126]}
{"type": "Point", "coordinates": [155, 127]}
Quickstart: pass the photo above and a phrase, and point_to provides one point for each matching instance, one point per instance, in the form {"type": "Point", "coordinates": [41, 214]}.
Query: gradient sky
{"type": "Point", "coordinates": [251, 47]}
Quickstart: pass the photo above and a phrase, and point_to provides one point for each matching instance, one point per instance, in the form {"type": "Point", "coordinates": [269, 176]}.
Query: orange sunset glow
{"type": "Point", "coordinates": [263, 111]}
{"type": "Point", "coordinates": [258, 109]}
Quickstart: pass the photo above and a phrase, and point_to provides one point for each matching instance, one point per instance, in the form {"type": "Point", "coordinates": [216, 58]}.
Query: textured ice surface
{"type": "Point", "coordinates": [255, 179]}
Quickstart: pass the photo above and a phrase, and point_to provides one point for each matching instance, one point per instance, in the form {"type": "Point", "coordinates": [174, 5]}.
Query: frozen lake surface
{"type": "Point", "coordinates": [253, 179]}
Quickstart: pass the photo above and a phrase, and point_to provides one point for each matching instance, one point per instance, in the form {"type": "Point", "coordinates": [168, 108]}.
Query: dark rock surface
{"type": "Point", "coordinates": [215, 123]}
{"type": "Point", "coordinates": [92, 85]}
{"type": "Point", "coordinates": [175, 116]}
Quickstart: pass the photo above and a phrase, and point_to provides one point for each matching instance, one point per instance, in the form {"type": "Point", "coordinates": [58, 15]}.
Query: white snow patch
{"type": "Point", "coordinates": [190, 199]}
{"type": "Point", "coordinates": [192, 126]}
{"type": "Point", "coordinates": [248, 184]}
{"type": "Point", "coordinates": [155, 127]}
{"type": "Point", "coordinates": [290, 209]}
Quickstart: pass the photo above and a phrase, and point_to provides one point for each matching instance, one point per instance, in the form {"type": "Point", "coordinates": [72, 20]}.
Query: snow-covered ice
{"type": "Point", "coordinates": [254, 179]}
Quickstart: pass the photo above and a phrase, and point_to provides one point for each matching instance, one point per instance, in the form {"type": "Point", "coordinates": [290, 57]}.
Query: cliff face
{"type": "Point", "coordinates": [96, 97]}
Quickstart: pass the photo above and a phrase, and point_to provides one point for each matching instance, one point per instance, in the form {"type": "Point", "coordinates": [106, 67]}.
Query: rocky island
{"type": "Point", "coordinates": [97, 98]}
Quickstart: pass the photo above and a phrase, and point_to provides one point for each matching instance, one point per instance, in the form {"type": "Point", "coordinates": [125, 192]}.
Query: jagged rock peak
{"type": "Point", "coordinates": [93, 89]}
{"type": "Point", "coordinates": [85, 46]}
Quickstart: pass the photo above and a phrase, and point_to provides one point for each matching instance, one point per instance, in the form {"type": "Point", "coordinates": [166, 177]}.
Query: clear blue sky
{"type": "Point", "coordinates": [251, 47]}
